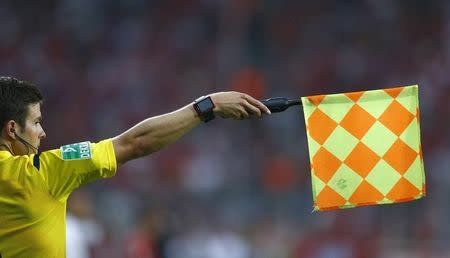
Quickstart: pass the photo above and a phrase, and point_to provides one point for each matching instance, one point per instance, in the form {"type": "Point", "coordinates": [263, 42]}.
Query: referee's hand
{"type": "Point", "coordinates": [237, 105]}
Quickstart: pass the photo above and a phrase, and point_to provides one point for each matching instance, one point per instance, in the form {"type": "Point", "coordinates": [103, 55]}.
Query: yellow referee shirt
{"type": "Point", "coordinates": [33, 195]}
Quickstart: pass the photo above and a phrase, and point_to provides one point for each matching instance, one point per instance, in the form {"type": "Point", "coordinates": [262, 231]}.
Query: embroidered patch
{"type": "Point", "coordinates": [76, 151]}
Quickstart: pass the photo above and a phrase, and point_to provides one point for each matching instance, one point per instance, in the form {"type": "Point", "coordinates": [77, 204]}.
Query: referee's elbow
{"type": "Point", "coordinates": [128, 147]}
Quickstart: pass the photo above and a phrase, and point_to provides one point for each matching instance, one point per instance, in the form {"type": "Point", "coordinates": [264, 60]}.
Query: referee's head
{"type": "Point", "coordinates": [20, 116]}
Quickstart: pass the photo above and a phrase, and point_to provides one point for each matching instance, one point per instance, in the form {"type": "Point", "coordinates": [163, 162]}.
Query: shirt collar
{"type": "Point", "coordinates": [5, 154]}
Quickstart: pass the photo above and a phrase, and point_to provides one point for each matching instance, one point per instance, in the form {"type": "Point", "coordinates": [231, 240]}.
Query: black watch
{"type": "Point", "coordinates": [204, 108]}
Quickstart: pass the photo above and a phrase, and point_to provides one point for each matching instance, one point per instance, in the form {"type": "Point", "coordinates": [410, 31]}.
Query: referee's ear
{"type": "Point", "coordinates": [10, 129]}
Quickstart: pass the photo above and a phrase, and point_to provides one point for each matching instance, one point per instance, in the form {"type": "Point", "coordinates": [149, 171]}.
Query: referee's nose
{"type": "Point", "coordinates": [42, 135]}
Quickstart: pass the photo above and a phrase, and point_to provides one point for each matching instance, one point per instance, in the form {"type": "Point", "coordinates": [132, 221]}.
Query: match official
{"type": "Point", "coordinates": [34, 187]}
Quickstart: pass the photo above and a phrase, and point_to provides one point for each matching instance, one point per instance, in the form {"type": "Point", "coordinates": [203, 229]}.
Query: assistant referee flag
{"type": "Point", "coordinates": [364, 148]}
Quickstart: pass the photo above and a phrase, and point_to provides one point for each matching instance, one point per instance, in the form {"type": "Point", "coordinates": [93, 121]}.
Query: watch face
{"type": "Point", "coordinates": [205, 105]}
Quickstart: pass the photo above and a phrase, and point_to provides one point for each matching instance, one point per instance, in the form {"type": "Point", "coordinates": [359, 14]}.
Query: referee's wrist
{"type": "Point", "coordinates": [205, 107]}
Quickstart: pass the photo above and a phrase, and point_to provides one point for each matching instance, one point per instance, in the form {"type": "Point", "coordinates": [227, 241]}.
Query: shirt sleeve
{"type": "Point", "coordinates": [64, 171]}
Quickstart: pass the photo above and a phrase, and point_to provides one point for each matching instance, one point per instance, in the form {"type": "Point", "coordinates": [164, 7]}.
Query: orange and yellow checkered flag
{"type": "Point", "coordinates": [364, 148]}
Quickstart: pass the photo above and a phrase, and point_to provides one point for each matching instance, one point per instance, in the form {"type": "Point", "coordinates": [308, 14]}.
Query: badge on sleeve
{"type": "Point", "coordinates": [76, 151]}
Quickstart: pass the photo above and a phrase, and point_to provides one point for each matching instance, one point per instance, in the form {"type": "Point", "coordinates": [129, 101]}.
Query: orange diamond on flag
{"type": "Point", "coordinates": [316, 99]}
{"type": "Point", "coordinates": [325, 164]}
{"type": "Point", "coordinates": [366, 193]}
{"type": "Point", "coordinates": [357, 121]}
{"type": "Point", "coordinates": [400, 156]}
{"type": "Point", "coordinates": [403, 191]}
{"type": "Point", "coordinates": [354, 95]}
{"type": "Point", "coordinates": [396, 118]}
{"type": "Point", "coordinates": [320, 126]}
{"type": "Point", "coordinates": [329, 198]}
{"type": "Point", "coordinates": [362, 159]}
{"type": "Point", "coordinates": [394, 92]}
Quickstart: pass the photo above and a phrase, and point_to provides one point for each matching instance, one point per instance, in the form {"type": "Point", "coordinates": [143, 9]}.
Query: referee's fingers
{"type": "Point", "coordinates": [257, 104]}
{"type": "Point", "coordinates": [252, 109]}
{"type": "Point", "coordinates": [243, 114]}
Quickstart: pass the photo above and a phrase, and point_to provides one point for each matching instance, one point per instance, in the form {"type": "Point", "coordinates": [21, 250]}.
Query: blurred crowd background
{"type": "Point", "coordinates": [234, 189]}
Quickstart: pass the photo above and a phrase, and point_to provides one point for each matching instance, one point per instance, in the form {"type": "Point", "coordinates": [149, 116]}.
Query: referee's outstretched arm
{"type": "Point", "coordinates": [155, 133]}
{"type": "Point", "coordinates": [35, 186]}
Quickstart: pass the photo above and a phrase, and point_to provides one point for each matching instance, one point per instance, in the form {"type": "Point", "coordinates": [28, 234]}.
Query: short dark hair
{"type": "Point", "coordinates": [15, 97]}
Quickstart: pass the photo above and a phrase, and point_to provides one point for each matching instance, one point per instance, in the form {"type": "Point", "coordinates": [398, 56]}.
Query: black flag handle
{"type": "Point", "coordinates": [280, 104]}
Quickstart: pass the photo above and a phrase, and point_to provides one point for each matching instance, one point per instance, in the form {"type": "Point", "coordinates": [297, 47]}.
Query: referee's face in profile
{"type": "Point", "coordinates": [33, 132]}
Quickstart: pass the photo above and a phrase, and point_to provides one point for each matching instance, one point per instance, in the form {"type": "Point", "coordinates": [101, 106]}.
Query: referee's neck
{"type": "Point", "coordinates": [4, 146]}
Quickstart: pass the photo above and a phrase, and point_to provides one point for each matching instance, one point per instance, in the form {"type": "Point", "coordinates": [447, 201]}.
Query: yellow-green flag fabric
{"type": "Point", "coordinates": [364, 148]}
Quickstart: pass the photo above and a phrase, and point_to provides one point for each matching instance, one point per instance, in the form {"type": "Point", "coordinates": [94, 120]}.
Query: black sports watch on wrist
{"type": "Point", "coordinates": [204, 108]}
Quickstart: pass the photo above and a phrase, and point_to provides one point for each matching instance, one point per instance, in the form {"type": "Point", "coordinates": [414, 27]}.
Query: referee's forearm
{"type": "Point", "coordinates": [154, 134]}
